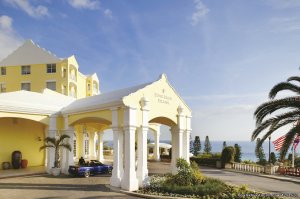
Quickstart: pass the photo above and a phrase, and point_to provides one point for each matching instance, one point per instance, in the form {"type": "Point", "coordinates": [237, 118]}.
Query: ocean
{"type": "Point", "coordinates": [247, 147]}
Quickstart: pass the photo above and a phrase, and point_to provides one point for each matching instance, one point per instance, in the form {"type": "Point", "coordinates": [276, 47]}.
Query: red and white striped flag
{"type": "Point", "coordinates": [279, 142]}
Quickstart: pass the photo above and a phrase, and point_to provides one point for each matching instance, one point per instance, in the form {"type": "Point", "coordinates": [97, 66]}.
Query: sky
{"type": "Point", "coordinates": [222, 57]}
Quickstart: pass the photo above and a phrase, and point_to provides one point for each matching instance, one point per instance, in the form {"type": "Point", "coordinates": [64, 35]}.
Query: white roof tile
{"type": "Point", "coordinates": [48, 102]}
{"type": "Point", "coordinates": [29, 53]}
{"type": "Point", "coordinates": [101, 100]}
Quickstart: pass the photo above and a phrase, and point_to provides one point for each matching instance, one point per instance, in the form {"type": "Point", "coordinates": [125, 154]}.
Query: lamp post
{"type": "Point", "coordinates": [269, 149]}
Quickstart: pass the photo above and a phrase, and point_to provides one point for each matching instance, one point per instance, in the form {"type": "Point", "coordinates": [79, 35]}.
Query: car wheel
{"type": "Point", "coordinates": [109, 171]}
{"type": "Point", "coordinates": [87, 174]}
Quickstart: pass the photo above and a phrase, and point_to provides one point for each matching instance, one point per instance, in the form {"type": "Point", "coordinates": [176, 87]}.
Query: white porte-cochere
{"type": "Point", "coordinates": [129, 113]}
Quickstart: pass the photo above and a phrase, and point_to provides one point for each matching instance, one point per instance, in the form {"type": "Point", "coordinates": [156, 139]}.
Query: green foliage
{"type": "Point", "coordinates": [224, 144]}
{"type": "Point", "coordinates": [248, 162]}
{"type": "Point", "coordinates": [238, 153]}
{"type": "Point", "coordinates": [274, 114]}
{"type": "Point", "coordinates": [260, 154]}
{"type": "Point", "coordinates": [56, 143]}
{"type": "Point", "coordinates": [297, 162]}
{"type": "Point", "coordinates": [207, 145]}
{"type": "Point", "coordinates": [273, 158]}
{"type": "Point", "coordinates": [197, 145]}
{"type": "Point", "coordinates": [205, 161]}
{"type": "Point", "coordinates": [227, 155]}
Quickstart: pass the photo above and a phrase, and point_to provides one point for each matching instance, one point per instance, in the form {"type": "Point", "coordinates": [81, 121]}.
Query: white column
{"type": "Point", "coordinates": [142, 171]}
{"type": "Point", "coordinates": [50, 151]}
{"type": "Point", "coordinates": [117, 172]}
{"type": "Point", "coordinates": [174, 138]}
{"type": "Point", "coordinates": [156, 145]}
{"type": "Point", "coordinates": [129, 181]}
{"type": "Point", "coordinates": [100, 146]}
{"type": "Point", "coordinates": [92, 145]}
{"type": "Point", "coordinates": [186, 139]}
{"type": "Point", "coordinates": [69, 155]}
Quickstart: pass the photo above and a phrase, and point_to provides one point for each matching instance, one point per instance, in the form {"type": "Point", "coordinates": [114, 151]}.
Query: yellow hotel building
{"type": "Point", "coordinates": [33, 68]}
{"type": "Point", "coordinates": [45, 96]}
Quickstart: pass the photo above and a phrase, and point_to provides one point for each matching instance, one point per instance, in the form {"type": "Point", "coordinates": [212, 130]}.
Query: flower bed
{"type": "Point", "coordinates": [190, 183]}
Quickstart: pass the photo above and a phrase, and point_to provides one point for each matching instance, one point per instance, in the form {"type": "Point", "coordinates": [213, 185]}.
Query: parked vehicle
{"type": "Point", "coordinates": [91, 168]}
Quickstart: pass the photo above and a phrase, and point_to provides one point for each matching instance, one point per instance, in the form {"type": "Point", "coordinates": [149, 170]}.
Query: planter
{"type": "Point", "coordinates": [5, 165]}
{"type": "Point", "coordinates": [16, 158]}
{"type": "Point", "coordinates": [55, 171]}
{"type": "Point", "coordinates": [281, 170]}
{"type": "Point", "coordinates": [24, 163]}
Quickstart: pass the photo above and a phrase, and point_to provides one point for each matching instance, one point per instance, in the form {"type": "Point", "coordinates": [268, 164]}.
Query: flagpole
{"type": "Point", "coordinates": [293, 156]}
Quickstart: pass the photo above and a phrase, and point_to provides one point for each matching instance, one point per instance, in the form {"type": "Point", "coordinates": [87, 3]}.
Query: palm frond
{"type": "Point", "coordinates": [269, 107]}
{"type": "Point", "coordinates": [288, 140]}
{"type": "Point", "coordinates": [276, 126]}
{"type": "Point", "coordinates": [293, 78]}
{"type": "Point", "coordinates": [283, 86]}
{"type": "Point", "coordinates": [62, 137]}
{"type": "Point", "coordinates": [50, 140]}
{"type": "Point", "coordinates": [46, 146]}
{"type": "Point", "coordinates": [66, 145]}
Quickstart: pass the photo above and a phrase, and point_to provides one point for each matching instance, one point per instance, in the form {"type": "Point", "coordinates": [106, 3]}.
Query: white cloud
{"type": "Point", "coordinates": [108, 13]}
{"type": "Point", "coordinates": [37, 12]}
{"type": "Point", "coordinates": [9, 40]}
{"type": "Point", "coordinates": [200, 11]}
{"type": "Point", "coordinates": [85, 4]}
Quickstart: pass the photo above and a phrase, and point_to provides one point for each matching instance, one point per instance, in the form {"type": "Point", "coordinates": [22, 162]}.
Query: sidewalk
{"type": "Point", "coordinates": [22, 172]}
{"type": "Point", "coordinates": [286, 178]}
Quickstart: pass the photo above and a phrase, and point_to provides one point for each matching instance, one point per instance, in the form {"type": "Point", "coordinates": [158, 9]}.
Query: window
{"type": "Point", "coordinates": [25, 86]}
{"type": "Point", "coordinates": [89, 87]}
{"type": "Point", "coordinates": [75, 145]}
{"type": "Point", "coordinates": [51, 68]}
{"type": "Point", "coordinates": [86, 144]}
{"type": "Point", "coordinates": [64, 73]}
{"type": "Point", "coordinates": [3, 71]}
{"type": "Point", "coordinates": [51, 85]}
{"type": "Point", "coordinates": [25, 70]}
{"type": "Point", "coordinates": [2, 87]}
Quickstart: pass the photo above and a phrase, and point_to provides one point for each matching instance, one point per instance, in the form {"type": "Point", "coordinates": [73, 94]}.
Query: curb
{"type": "Point", "coordinates": [22, 175]}
{"type": "Point", "coordinates": [265, 176]}
{"type": "Point", "coordinates": [115, 189]}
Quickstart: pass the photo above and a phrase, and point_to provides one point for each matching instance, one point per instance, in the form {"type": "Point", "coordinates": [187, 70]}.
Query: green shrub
{"type": "Point", "coordinates": [273, 158]}
{"type": "Point", "coordinates": [227, 155]}
{"type": "Point", "coordinates": [205, 161]}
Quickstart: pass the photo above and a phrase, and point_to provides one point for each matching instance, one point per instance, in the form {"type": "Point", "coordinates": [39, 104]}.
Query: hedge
{"type": "Point", "coordinates": [205, 161]}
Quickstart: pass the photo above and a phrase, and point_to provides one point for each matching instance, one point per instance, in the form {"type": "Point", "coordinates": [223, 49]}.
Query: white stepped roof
{"type": "Point", "coordinates": [29, 53]}
{"type": "Point", "coordinates": [102, 100]}
{"type": "Point", "coordinates": [48, 102]}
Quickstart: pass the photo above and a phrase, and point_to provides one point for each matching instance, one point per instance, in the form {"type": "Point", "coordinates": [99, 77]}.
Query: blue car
{"type": "Point", "coordinates": [92, 168]}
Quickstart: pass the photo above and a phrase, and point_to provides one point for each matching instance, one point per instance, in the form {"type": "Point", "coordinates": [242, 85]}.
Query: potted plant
{"type": "Point", "coordinates": [56, 143]}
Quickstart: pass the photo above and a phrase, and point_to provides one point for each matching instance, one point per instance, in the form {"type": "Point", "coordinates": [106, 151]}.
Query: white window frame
{"type": "Point", "coordinates": [3, 70]}
{"type": "Point", "coordinates": [51, 68]}
{"type": "Point", "coordinates": [26, 83]}
{"type": "Point", "coordinates": [2, 87]}
{"type": "Point", "coordinates": [51, 81]}
{"type": "Point", "coordinates": [26, 70]}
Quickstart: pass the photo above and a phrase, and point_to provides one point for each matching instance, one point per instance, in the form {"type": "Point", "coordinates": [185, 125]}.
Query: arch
{"type": "Point", "coordinates": [91, 120]}
{"type": "Point", "coordinates": [163, 120]}
{"type": "Point", "coordinates": [44, 119]}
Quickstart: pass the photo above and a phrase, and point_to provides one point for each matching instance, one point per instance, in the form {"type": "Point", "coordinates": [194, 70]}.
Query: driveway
{"type": "Point", "coordinates": [255, 182]}
{"type": "Point", "coordinates": [47, 187]}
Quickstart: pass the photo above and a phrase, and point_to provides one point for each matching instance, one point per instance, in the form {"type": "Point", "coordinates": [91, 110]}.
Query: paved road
{"type": "Point", "coordinates": [253, 182]}
{"type": "Point", "coordinates": [46, 186]}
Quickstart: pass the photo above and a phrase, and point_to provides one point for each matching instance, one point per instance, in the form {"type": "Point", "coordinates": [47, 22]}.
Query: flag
{"type": "Point", "coordinates": [279, 142]}
{"type": "Point", "coordinates": [296, 142]}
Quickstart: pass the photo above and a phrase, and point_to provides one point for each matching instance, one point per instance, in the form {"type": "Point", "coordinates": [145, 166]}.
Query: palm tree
{"type": "Point", "coordinates": [52, 142]}
{"type": "Point", "coordinates": [289, 108]}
